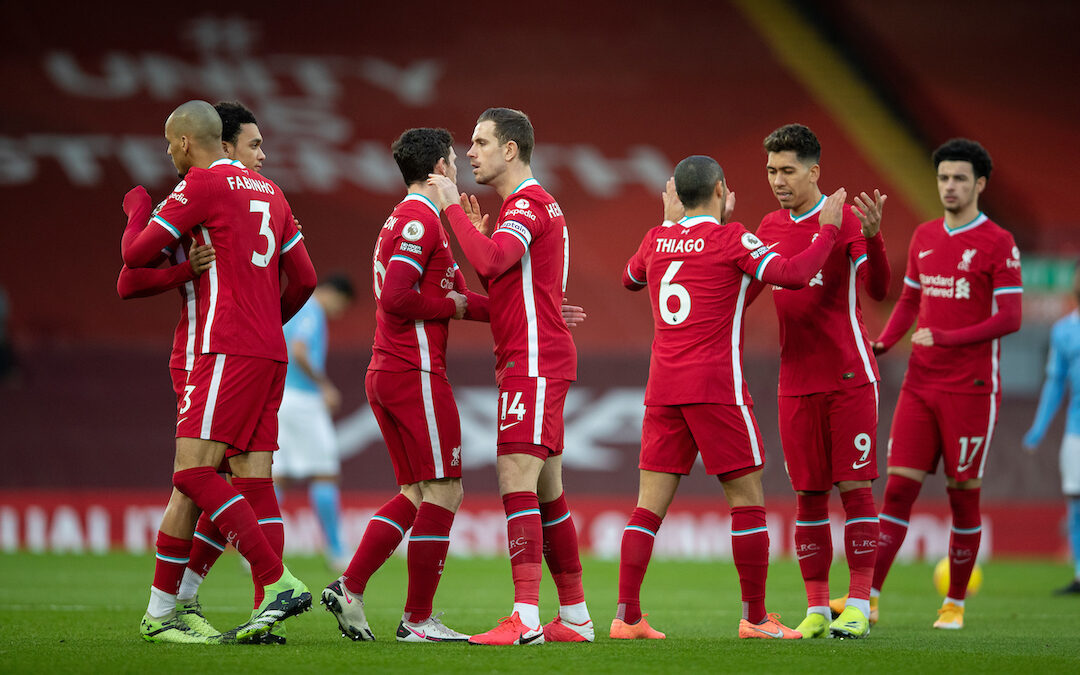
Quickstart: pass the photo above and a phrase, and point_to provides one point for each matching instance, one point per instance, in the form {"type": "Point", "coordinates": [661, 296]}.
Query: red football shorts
{"type": "Point", "coordinates": [830, 437]}
{"type": "Point", "coordinates": [929, 424]}
{"type": "Point", "coordinates": [179, 382]}
{"type": "Point", "coordinates": [234, 400]}
{"type": "Point", "coordinates": [419, 421]}
{"type": "Point", "coordinates": [531, 416]}
{"type": "Point", "coordinates": [727, 436]}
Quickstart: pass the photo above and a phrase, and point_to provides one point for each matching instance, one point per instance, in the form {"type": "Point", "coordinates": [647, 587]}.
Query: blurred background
{"type": "Point", "coordinates": [617, 96]}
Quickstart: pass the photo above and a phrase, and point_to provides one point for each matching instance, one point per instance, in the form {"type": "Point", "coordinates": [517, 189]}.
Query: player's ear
{"type": "Point", "coordinates": [440, 166]}
{"type": "Point", "coordinates": [815, 172]}
{"type": "Point", "coordinates": [980, 184]}
{"type": "Point", "coordinates": [510, 150]}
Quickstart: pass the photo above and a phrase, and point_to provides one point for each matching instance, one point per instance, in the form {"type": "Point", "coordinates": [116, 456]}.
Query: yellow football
{"type": "Point", "coordinates": [941, 578]}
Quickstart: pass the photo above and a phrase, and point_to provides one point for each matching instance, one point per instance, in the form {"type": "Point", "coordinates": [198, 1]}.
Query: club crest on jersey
{"type": "Point", "coordinates": [413, 230]}
{"type": "Point", "coordinates": [750, 242]}
{"type": "Point", "coordinates": [965, 264]}
{"type": "Point", "coordinates": [522, 203]}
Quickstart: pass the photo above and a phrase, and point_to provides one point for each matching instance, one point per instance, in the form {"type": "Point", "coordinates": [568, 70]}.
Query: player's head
{"type": "Point", "coordinates": [240, 137]}
{"type": "Point", "coordinates": [698, 180]}
{"type": "Point", "coordinates": [335, 293]}
{"type": "Point", "coordinates": [502, 137]}
{"type": "Point", "coordinates": [193, 131]}
{"type": "Point", "coordinates": [419, 152]}
{"type": "Point", "coordinates": [794, 153]}
{"type": "Point", "coordinates": [963, 168]}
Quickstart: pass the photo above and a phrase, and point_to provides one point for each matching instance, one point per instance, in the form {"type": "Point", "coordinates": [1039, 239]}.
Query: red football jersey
{"type": "Point", "coordinates": [958, 273]}
{"type": "Point", "coordinates": [531, 336]}
{"type": "Point", "coordinates": [699, 275]}
{"type": "Point", "coordinates": [824, 345]}
{"type": "Point", "coordinates": [413, 235]}
{"type": "Point", "coordinates": [247, 220]}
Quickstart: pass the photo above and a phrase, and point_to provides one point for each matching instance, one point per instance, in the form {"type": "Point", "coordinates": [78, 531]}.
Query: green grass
{"type": "Point", "coordinates": [81, 614]}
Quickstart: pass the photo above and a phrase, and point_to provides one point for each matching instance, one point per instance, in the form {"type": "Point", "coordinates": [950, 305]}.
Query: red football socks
{"type": "Point", "coordinates": [813, 546]}
{"type": "Point", "coordinates": [750, 548]}
{"type": "Point", "coordinates": [900, 494]}
{"type": "Point", "coordinates": [234, 518]}
{"type": "Point", "coordinates": [171, 559]}
{"type": "Point", "coordinates": [525, 539]}
{"type": "Point", "coordinates": [206, 547]}
{"type": "Point", "coordinates": [637, 546]}
{"type": "Point", "coordinates": [428, 544]}
{"type": "Point", "coordinates": [965, 538]}
{"type": "Point", "coordinates": [382, 536]}
{"type": "Point", "coordinates": [860, 540]}
{"type": "Point", "coordinates": [259, 492]}
{"type": "Point", "coordinates": [561, 550]}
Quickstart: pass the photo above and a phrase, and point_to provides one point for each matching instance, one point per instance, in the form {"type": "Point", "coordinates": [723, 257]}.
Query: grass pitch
{"type": "Point", "coordinates": [81, 614]}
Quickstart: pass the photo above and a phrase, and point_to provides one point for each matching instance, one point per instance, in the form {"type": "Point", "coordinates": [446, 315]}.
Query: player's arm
{"type": "Point", "coordinates": [906, 309]}
{"type": "Point", "coordinates": [634, 274]}
{"type": "Point", "coordinates": [797, 271]}
{"type": "Point", "coordinates": [490, 256]}
{"type": "Point", "coordinates": [299, 277]}
{"type": "Point", "coordinates": [399, 296]}
{"type": "Point", "coordinates": [298, 356]}
{"type": "Point", "coordinates": [871, 263]}
{"type": "Point", "coordinates": [143, 282]}
{"type": "Point", "coordinates": [144, 242]}
{"type": "Point", "coordinates": [477, 307]}
{"type": "Point", "coordinates": [1053, 393]}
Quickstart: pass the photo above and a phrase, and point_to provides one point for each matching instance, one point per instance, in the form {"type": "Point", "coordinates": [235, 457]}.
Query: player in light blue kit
{"type": "Point", "coordinates": [308, 445]}
{"type": "Point", "coordinates": [1063, 370]}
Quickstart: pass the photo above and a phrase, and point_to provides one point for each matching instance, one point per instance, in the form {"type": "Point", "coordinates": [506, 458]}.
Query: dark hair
{"type": "Point", "coordinates": [233, 114]}
{"type": "Point", "coordinates": [417, 151]}
{"type": "Point", "coordinates": [340, 283]}
{"type": "Point", "coordinates": [965, 150]}
{"type": "Point", "coordinates": [695, 180]}
{"type": "Point", "coordinates": [798, 138]}
{"type": "Point", "coordinates": [511, 125]}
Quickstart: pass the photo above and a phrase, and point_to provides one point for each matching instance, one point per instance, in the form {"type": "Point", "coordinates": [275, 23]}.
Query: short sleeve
{"type": "Point", "coordinates": [414, 242]}
{"type": "Point", "coordinates": [186, 207]}
{"type": "Point", "coordinates": [522, 220]}
{"type": "Point", "coordinates": [746, 251]}
{"type": "Point", "coordinates": [1006, 267]}
{"type": "Point", "coordinates": [636, 267]}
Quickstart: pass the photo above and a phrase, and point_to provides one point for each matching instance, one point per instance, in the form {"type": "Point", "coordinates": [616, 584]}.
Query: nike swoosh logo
{"type": "Point", "coordinates": [858, 552]}
{"type": "Point", "coordinates": [806, 555]}
{"type": "Point", "coordinates": [923, 254]}
{"type": "Point", "coordinates": [514, 555]}
{"type": "Point", "coordinates": [859, 465]}
{"type": "Point", "coordinates": [777, 634]}
{"type": "Point", "coordinates": [420, 634]}
{"type": "Point", "coordinates": [526, 640]}
{"type": "Point", "coordinates": [775, 243]}
{"type": "Point", "coordinates": [180, 420]}
{"type": "Point", "coordinates": [504, 427]}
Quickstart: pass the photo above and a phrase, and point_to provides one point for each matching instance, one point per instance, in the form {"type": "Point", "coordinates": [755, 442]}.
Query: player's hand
{"type": "Point", "coordinates": [297, 222]}
{"type": "Point", "coordinates": [331, 397]}
{"type": "Point", "coordinates": [923, 337]}
{"type": "Point", "coordinates": [869, 212]}
{"type": "Point", "coordinates": [446, 191]}
{"type": "Point", "coordinates": [729, 207]}
{"type": "Point", "coordinates": [461, 303]}
{"type": "Point", "coordinates": [1030, 443]}
{"type": "Point", "coordinates": [201, 257]}
{"type": "Point", "coordinates": [471, 205]}
{"type": "Point", "coordinates": [832, 213]}
{"type": "Point", "coordinates": [136, 198]}
{"type": "Point", "coordinates": [572, 314]}
{"type": "Point", "coordinates": [673, 208]}
{"type": "Point", "coordinates": [878, 347]}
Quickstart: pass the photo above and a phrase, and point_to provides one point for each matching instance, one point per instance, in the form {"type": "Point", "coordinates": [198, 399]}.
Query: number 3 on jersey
{"type": "Point", "coordinates": [669, 291]}
{"type": "Point", "coordinates": [263, 259]}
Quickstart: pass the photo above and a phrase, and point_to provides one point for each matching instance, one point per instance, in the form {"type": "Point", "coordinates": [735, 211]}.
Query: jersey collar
{"type": "Point", "coordinates": [817, 207]}
{"type": "Point", "coordinates": [414, 197]}
{"type": "Point", "coordinates": [690, 221]}
{"type": "Point", "coordinates": [528, 182]}
{"type": "Point", "coordinates": [966, 227]}
{"type": "Point", "coordinates": [226, 160]}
